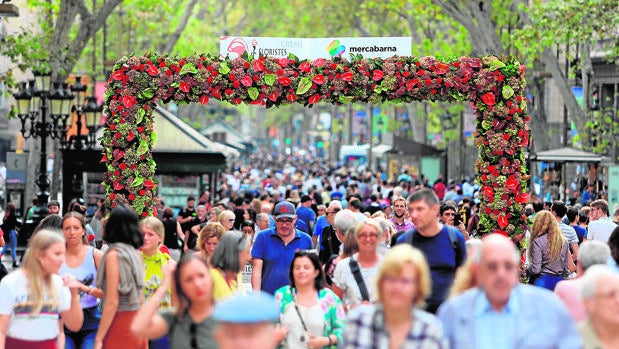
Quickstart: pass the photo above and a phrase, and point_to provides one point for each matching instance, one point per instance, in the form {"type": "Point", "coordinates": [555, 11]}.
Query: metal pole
{"type": "Point", "coordinates": [350, 122]}
{"type": "Point", "coordinates": [42, 182]}
{"type": "Point", "coordinates": [370, 135]}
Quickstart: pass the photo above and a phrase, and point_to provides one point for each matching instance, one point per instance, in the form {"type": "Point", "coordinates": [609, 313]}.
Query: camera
{"type": "Point", "coordinates": [457, 219]}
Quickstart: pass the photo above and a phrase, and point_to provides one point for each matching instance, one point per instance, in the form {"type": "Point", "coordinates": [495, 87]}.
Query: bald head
{"type": "Point", "coordinates": [499, 267]}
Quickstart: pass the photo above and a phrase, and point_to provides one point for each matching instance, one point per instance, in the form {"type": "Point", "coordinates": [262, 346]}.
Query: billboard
{"type": "Point", "coordinates": [312, 48]}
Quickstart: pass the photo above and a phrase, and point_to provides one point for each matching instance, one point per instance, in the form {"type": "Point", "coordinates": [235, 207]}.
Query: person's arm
{"type": "Point", "coordinates": [112, 277]}
{"type": "Point", "coordinates": [574, 249]}
{"type": "Point", "coordinates": [73, 317]}
{"type": "Point", "coordinates": [147, 323]}
{"type": "Point", "coordinates": [535, 266]}
{"type": "Point", "coordinates": [256, 274]}
{"type": "Point", "coordinates": [4, 327]}
{"type": "Point", "coordinates": [315, 241]}
{"type": "Point", "coordinates": [179, 231]}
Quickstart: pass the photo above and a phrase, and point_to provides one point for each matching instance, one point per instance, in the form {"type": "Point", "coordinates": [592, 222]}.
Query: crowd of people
{"type": "Point", "coordinates": [327, 260]}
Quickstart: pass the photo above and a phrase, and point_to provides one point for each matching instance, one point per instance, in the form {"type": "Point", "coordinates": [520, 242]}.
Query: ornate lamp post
{"type": "Point", "coordinates": [43, 109]}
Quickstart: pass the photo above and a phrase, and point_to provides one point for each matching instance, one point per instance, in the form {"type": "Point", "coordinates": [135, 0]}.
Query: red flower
{"type": "Point", "coordinates": [502, 232]}
{"type": "Point", "coordinates": [314, 99]}
{"type": "Point", "coordinates": [203, 99]}
{"type": "Point", "coordinates": [319, 79]}
{"type": "Point", "coordinates": [522, 198]}
{"type": "Point", "coordinates": [377, 75]}
{"type": "Point", "coordinates": [129, 101]}
{"type": "Point", "coordinates": [119, 75]}
{"type": "Point", "coordinates": [246, 81]}
{"type": "Point", "coordinates": [511, 184]}
{"type": "Point", "coordinates": [318, 62]}
{"type": "Point", "coordinates": [130, 136]}
{"type": "Point", "coordinates": [152, 70]}
{"type": "Point", "coordinates": [258, 65]}
{"type": "Point", "coordinates": [489, 98]}
{"type": "Point", "coordinates": [489, 192]}
{"type": "Point", "coordinates": [131, 197]}
{"type": "Point", "coordinates": [118, 186]}
{"type": "Point", "coordinates": [284, 81]}
{"type": "Point", "coordinates": [502, 221]}
{"type": "Point", "coordinates": [148, 184]}
{"type": "Point", "coordinates": [348, 76]}
{"type": "Point", "coordinates": [184, 87]}
{"type": "Point", "coordinates": [122, 166]}
{"type": "Point", "coordinates": [305, 67]}
{"type": "Point", "coordinates": [492, 169]}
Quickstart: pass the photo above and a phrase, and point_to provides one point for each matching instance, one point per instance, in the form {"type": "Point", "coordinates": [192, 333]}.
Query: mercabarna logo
{"type": "Point", "coordinates": [335, 49]}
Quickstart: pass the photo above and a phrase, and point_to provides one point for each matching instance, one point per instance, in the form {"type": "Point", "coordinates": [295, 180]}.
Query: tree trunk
{"type": "Point", "coordinates": [167, 47]}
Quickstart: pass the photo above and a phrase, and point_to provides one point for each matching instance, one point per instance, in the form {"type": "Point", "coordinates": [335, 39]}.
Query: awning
{"type": "Point", "coordinates": [380, 150]}
{"type": "Point", "coordinates": [567, 154]}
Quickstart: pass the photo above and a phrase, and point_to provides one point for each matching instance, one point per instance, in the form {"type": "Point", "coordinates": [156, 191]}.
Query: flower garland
{"type": "Point", "coordinates": [492, 85]}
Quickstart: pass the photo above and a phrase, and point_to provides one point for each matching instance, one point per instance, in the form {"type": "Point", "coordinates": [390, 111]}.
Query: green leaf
{"type": "Point", "coordinates": [153, 138]}
{"type": "Point", "coordinates": [269, 79]}
{"type": "Point", "coordinates": [142, 148]}
{"type": "Point", "coordinates": [149, 92]}
{"type": "Point", "coordinates": [138, 181]}
{"type": "Point", "coordinates": [190, 68]}
{"type": "Point", "coordinates": [253, 93]}
{"type": "Point", "coordinates": [496, 64]}
{"type": "Point", "coordinates": [486, 124]}
{"type": "Point", "coordinates": [224, 69]}
{"type": "Point", "coordinates": [304, 85]}
{"type": "Point", "coordinates": [507, 91]}
{"type": "Point", "coordinates": [346, 99]}
{"type": "Point", "coordinates": [140, 116]}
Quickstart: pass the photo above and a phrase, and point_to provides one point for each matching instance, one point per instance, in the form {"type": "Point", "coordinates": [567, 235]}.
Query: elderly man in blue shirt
{"type": "Point", "coordinates": [500, 313]}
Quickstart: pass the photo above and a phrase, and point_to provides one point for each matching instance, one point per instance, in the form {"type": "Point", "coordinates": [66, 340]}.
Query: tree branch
{"type": "Point", "coordinates": [173, 39]}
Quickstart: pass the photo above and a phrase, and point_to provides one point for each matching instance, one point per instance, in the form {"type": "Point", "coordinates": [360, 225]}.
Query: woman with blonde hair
{"type": "Point", "coordinates": [466, 275]}
{"type": "Point", "coordinates": [396, 320]}
{"type": "Point", "coordinates": [353, 278]}
{"type": "Point", "coordinates": [208, 239]}
{"type": "Point", "coordinates": [34, 297]}
{"type": "Point", "coordinates": [227, 218]}
{"type": "Point", "coordinates": [548, 252]}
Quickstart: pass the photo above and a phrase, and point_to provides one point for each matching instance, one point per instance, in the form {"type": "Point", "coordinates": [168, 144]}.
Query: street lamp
{"type": "Point", "coordinates": [43, 109]}
{"type": "Point", "coordinates": [35, 100]}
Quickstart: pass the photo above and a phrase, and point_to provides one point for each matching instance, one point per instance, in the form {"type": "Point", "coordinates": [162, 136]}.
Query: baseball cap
{"type": "Point", "coordinates": [250, 308]}
{"type": "Point", "coordinates": [53, 203]}
{"type": "Point", "coordinates": [284, 209]}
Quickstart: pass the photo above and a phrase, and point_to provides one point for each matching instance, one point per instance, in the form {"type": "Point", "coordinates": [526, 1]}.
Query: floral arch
{"type": "Point", "coordinates": [493, 86]}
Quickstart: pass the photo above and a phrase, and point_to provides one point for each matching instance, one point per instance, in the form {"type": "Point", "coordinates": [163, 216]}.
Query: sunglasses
{"type": "Point", "coordinates": [192, 330]}
{"type": "Point", "coordinates": [285, 221]}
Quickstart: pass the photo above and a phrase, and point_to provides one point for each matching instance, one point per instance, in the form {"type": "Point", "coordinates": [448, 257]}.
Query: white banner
{"type": "Point", "coordinates": [312, 48]}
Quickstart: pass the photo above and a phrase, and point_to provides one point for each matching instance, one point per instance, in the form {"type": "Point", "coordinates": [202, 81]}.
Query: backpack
{"type": "Point", "coordinates": [452, 233]}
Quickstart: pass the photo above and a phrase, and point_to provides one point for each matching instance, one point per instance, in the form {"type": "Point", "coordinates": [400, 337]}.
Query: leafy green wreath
{"type": "Point", "coordinates": [493, 86]}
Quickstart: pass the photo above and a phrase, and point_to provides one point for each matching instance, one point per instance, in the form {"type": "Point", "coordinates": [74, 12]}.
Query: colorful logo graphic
{"type": "Point", "coordinates": [237, 46]}
{"type": "Point", "coordinates": [335, 49]}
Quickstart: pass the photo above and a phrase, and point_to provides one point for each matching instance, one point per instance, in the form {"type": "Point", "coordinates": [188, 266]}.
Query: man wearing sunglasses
{"type": "Point", "coordinates": [274, 249]}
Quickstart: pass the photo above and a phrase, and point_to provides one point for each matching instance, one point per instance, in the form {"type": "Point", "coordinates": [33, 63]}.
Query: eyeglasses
{"type": "Point", "coordinates": [192, 330]}
{"type": "Point", "coordinates": [495, 266]}
{"type": "Point", "coordinates": [231, 220]}
{"type": "Point", "coordinates": [449, 214]}
{"type": "Point", "coordinates": [371, 236]}
{"type": "Point", "coordinates": [285, 221]}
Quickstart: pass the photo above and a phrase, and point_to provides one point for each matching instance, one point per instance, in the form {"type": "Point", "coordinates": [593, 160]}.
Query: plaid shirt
{"type": "Point", "coordinates": [405, 226]}
{"type": "Point", "coordinates": [365, 329]}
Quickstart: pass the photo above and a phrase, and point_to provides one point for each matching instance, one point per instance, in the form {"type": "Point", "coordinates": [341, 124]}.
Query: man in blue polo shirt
{"type": "Point", "coordinates": [274, 249]}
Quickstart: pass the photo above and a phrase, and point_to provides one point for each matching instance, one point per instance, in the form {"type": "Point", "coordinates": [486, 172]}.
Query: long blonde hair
{"type": "Point", "coordinates": [40, 285]}
{"type": "Point", "coordinates": [546, 223]}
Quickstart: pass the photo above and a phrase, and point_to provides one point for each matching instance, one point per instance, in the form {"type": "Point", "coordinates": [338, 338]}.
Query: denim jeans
{"type": "Point", "coordinates": [11, 244]}
{"type": "Point", "coordinates": [547, 281]}
{"type": "Point", "coordinates": [80, 340]}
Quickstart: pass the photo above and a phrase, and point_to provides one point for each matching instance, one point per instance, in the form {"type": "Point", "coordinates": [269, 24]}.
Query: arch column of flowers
{"type": "Point", "coordinates": [493, 86]}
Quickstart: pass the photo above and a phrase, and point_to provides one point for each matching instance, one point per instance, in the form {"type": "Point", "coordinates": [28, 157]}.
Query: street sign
{"type": "Point", "coordinates": [16, 166]}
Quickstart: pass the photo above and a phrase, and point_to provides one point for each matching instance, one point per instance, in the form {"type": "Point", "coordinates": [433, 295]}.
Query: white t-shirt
{"type": "Point", "coordinates": [344, 279]}
{"type": "Point", "coordinates": [23, 324]}
{"type": "Point", "coordinates": [600, 229]}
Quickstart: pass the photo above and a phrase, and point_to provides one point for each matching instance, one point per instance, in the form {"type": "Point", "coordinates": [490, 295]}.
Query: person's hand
{"type": "Point", "coordinates": [185, 248]}
{"type": "Point", "coordinates": [71, 282]}
{"type": "Point", "coordinates": [316, 342]}
{"type": "Point", "coordinates": [168, 270]}
{"type": "Point", "coordinates": [98, 345]}
{"type": "Point", "coordinates": [280, 333]}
